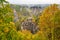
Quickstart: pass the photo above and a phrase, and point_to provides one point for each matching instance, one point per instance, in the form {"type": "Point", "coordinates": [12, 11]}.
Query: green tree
{"type": "Point", "coordinates": [57, 26]}
{"type": "Point", "coordinates": [7, 26]}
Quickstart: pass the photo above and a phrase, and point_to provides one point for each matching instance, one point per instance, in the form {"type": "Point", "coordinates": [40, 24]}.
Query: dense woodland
{"type": "Point", "coordinates": [28, 23]}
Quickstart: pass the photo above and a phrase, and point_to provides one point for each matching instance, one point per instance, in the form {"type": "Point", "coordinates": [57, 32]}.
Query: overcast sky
{"type": "Point", "coordinates": [34, 1]}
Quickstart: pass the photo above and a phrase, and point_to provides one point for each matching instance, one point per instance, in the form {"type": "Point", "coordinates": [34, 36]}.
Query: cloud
{"type": "Point", "coordinates": [34, 1]}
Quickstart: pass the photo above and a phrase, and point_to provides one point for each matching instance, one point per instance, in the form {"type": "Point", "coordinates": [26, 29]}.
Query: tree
{"type": "Point", "coordinates": [46, 21]}
{"type": "Point", "coordinates": [7, 26]}
{"type": "Point", "coordinates": [57, 25]}
{"type": "Point", "coordinates": [2, 2]}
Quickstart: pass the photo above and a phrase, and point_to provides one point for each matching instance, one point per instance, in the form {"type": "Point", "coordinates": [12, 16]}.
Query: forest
{"type": "Point", "coordinates": [21, 22]}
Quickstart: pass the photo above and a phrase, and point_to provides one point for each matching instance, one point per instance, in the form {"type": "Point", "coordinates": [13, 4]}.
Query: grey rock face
{"type": "Point", "coordinates": [29, 25]}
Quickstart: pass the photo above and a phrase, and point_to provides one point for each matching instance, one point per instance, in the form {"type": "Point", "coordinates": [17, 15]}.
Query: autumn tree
{"type": "Point", "coordinates": [46, 21]}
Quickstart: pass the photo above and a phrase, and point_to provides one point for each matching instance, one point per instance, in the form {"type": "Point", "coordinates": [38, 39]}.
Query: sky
{"type": "Point", "coordinates": [34, 1]}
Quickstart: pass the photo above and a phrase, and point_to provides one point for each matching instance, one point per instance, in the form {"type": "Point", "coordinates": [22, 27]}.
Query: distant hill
{"type": "Point", "coordinates": [17, 7]}
{"type": "Point", "coordinates": [27, 10]}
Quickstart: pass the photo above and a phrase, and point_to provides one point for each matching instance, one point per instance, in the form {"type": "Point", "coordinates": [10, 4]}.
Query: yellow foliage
{"type": "Point", "coordinates": [26, 32]}
{"type": "Point", "coordinates": [6, 30]}
{"type": "Point", "coordinates": [1, 20]}
{"type": "Point", "coordinates": [12, 23]}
